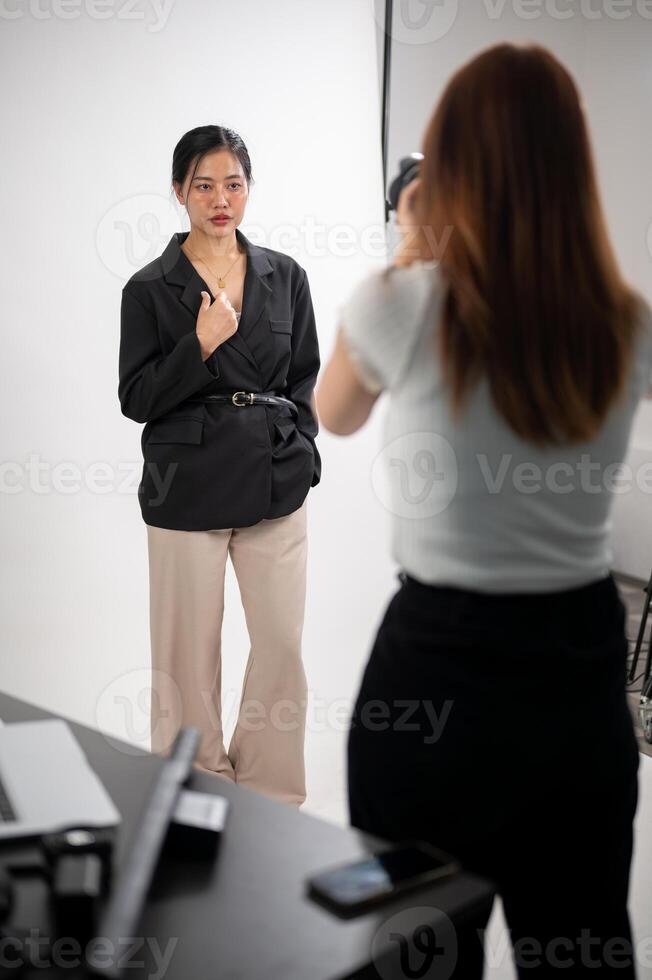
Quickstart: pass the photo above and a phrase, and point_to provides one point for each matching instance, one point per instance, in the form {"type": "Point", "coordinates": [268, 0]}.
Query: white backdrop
{"type": "Point", "coordinates": [94, 110]}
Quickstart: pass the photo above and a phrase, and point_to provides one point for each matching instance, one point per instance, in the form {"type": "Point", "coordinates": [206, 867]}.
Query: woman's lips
{"type": "Point", "coordinates": [220, 221]}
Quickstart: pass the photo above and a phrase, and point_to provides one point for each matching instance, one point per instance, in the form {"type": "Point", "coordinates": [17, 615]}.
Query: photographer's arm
{"type": "Point", "coordinates": [343, 402]}
{"type": "Point", "coordinates": [349, 388]}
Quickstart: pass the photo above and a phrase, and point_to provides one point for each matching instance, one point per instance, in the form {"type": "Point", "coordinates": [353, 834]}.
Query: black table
{"type": "Point", "coordinates": [244, 916]}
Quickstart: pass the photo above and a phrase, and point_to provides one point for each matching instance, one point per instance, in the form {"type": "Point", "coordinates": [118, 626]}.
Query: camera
{"type": "Point", "coordinates": [408, 169]}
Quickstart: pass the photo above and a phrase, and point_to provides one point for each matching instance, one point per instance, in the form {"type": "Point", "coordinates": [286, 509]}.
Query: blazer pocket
{"type": "Point", "coordinates": [285, 428]}
{"type": "Point", "coordinates": [188, 430]}
{"type": "Point", "coordinates": [281, 326]}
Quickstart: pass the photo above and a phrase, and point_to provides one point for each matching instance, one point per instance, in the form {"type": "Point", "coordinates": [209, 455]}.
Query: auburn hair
{"type": "Point", "coordinates": [508, 206]}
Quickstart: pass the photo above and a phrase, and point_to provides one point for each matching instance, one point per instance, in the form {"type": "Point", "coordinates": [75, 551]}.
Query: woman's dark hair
{"type": "Point", "coordinates": [196, 143]}
{"type": "Point", "coordinates": [534, 298]}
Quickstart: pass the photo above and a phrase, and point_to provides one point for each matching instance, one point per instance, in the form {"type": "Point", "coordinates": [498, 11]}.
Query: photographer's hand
{"type": "Point", "coordinates": [407, 252]}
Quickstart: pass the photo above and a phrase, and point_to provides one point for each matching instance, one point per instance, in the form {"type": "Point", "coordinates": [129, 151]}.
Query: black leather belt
{"type": "Point", "coordinates": [243, 398]}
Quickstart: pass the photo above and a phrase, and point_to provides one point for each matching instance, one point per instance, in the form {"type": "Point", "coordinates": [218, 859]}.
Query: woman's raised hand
{"type": "Point", "coordinates": [216, 322]}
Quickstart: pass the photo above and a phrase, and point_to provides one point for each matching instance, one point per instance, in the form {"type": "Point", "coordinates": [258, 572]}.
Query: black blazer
{"type": "Point", "coordinates": [212, 464]}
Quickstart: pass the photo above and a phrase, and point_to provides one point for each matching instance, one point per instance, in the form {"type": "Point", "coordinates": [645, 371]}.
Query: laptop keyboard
{"type": "Point", "coordinates": [7, 813]}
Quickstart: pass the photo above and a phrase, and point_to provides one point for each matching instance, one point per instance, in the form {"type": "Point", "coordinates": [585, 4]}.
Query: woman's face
{"type": "Point", "coordinates": [218, 187]}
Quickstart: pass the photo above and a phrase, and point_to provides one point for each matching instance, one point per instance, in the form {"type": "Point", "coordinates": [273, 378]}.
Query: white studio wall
{"type": "Point", "coordinates": [95, 108]}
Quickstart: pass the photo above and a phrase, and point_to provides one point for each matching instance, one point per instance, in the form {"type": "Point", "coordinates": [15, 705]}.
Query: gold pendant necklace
{"type": "Point", "coordinates": [220, 279]}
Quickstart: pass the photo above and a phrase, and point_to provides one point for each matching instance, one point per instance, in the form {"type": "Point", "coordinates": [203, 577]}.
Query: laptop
{"type": "Point", "coordinates": [46, 782]}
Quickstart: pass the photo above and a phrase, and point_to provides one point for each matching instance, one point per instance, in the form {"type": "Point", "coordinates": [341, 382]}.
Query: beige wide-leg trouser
{"type": "Point", "coordinates": [186, 577]}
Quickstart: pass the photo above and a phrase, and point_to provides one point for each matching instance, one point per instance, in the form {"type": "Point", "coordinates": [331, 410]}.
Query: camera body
{"type": "Point", "coordinates": [408, 169]}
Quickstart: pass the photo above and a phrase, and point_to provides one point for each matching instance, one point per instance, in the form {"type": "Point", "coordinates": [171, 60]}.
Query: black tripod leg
{"type": "Point", "coordinates": [641, 632]}
{"type": "Point", "coordinates": [648, 661]}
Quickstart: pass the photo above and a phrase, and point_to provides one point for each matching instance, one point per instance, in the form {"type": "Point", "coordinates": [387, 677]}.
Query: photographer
{"type": "Point", "coordinates": [511, 348]}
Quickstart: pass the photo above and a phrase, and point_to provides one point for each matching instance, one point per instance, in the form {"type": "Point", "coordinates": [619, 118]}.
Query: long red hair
{"type": "Point", "coordinates": [508, 203]}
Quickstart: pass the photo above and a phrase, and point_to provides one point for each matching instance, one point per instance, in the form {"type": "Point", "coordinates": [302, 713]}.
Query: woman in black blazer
{"type": "Point", "coordinates": [219, 357]}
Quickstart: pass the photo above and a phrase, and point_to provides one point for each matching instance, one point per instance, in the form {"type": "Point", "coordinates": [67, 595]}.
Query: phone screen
{"type": "Point", "coordinates": [378, 875]}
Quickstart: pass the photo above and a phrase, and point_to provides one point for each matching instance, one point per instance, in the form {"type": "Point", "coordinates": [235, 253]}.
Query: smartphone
{"type": "Point", "coordinates": [350, 889]}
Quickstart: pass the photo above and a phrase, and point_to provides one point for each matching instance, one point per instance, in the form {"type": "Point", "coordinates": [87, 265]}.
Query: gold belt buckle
{"type": "Point", "coordinates": [249, 395]}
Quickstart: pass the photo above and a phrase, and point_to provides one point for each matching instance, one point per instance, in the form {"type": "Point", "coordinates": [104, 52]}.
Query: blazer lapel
{"type": "Point", "coordinates": [179, 270]}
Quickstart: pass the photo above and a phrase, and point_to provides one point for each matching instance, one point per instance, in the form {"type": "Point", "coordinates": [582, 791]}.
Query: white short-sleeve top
{"type": "Point", "coordinates": [471, 504]}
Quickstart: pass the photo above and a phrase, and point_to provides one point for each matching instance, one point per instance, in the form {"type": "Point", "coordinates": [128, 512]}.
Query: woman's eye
{"type": "Point", "coordinates": [208, 186]}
